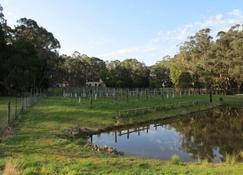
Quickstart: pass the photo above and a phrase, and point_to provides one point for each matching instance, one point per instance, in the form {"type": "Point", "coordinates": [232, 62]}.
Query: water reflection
{"type": "Point", "coordinates": [206, 135]}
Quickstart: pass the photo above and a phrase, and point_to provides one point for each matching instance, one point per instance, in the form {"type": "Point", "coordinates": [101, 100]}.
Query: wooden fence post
{"type": "Point", "coordinates": [22, 104]}
{"type": "Point", "coordinates": [9, 111]}
{"type": "Point", "coordinates": [16, 108]}
{"type": "Point", "coordinates": [25, 103]}
{"type": "Point", "coordinates": [91, 98]}
{"type": "Point", "coordinates": [127, 95]}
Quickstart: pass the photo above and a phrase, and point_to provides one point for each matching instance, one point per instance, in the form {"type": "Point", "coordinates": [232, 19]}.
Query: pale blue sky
{"type": "Point", "coordinates": [119, 29]}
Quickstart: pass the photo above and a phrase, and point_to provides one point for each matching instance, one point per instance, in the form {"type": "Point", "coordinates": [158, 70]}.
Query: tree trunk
{"type": "Point", "coordinates": [239, 85]}
{"type": "Point", "coordinates": [210, 95]}
{"type": "Point", "coordinates": [91, 97]}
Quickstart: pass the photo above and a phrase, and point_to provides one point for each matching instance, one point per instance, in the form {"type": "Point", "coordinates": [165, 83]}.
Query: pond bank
{"type": "Point", "coordinates": [87, 132]}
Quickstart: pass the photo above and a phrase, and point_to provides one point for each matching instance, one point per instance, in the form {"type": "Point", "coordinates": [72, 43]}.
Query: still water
{"type": "Point", "coordinates": [206, 135]}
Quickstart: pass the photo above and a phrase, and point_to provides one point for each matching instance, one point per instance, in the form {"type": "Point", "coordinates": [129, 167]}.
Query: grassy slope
{"type": "Point", "coordinates": [35, 149]}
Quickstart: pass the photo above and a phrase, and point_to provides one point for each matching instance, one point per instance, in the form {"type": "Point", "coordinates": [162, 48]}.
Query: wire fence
{"type": "Point", "coordinates": [196, 104]}
{"type": "Point", "coordinates": [125, 93]}
{"type": "Point", "coordinates": [11, 108]}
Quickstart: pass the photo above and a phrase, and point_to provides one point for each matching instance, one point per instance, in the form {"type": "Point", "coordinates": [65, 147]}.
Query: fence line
{"type": "Point", "coordinates": [138, 111]}
{"type": "Point", "coordinates": [118, 93]}
{"type": "Point", "coordinates": [11, 108]}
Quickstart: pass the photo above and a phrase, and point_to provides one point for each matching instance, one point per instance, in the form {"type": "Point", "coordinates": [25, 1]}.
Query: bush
{"type": "Point", "coordinates": [221, 99]}
{"type": "Point", "coordinates": [230, 159]}
{"type": "Point", "coordinates": [175, 160]}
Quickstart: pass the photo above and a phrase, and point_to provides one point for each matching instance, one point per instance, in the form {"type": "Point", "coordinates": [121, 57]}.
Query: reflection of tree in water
{"type": "Point", "coordinates": [220, 129]}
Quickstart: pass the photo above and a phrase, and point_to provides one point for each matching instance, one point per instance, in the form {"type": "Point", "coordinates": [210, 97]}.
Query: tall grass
{"type": "Point", "coordinates": [10, 169]}
{"type": "Point", "coordinates": [230, 159]}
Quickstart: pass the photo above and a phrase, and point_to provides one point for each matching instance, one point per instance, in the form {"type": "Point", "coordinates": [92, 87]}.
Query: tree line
{"type": "Point", "coordinates": [210, 62]}
{"type": "Point", "coordinates": [30, 60]}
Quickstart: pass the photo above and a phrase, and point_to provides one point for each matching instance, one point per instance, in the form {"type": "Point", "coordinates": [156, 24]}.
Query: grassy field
{"type": "Point", "coordinates": [35, 148]}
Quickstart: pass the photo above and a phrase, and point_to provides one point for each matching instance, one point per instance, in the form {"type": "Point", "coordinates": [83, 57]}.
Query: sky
{"type": "Point", "coordinates": [146, 30]}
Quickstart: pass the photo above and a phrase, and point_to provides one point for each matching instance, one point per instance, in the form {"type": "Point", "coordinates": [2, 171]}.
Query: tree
{"type": "Point", "coordinates": [94, 67]}
{"type": "Point", "coordinates": [197, 58]}
{"type": "Point", "coordinates": [129, 73]}
{"type": "Point", "coordinates": [45, 44]}
{"type": "Point", "coordinates": [117, 75]}
{"type": "Point", "coordinates": [236, 55]}
{"type": "Point", "coordinates": [75, 69]}
{"type": "Point", "coordinates": [159, 75]}
{"type": "Point", "coordinates": [138, 71]}
{"type": "Point", "coordinates": [2, 33]}
{"type": "Point", "coordinates": [194, 52]}
{"type": "Point", "coordinates": [5, 50]}
{"type": "Point", "coordinates": [175, 71]}
{"type": "Point", "coordinates": [78, 69]}
{"type": "Point", "coordinates": [185, 80]}
{"type": "Point", "coordinates": [38, 36]}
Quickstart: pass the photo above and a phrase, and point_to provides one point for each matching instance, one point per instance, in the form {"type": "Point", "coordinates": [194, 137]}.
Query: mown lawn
{"type": "Point", "coordinates": [35, 148]}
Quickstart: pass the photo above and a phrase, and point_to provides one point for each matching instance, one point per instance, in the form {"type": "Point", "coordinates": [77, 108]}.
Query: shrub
{"type": "Point", "coordinates": [230, 159]}
{"type": "Point", "coordinates": [221, 99]}
{"type": "Point", "coordinates": [175, 160]}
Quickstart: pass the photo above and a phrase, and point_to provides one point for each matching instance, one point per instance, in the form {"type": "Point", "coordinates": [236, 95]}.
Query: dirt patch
{"type": "Point", "coordinates": [106, 149]}
{"type": "Point", "coordinates": [6, 132]}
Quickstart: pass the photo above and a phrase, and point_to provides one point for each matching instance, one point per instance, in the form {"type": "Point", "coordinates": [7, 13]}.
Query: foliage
{"type": "Point", "coordinates": [175, 160]}
{"type": "Point", "coordinates": [185, 80]}
{"type": "Point", "coordinates": [160, 75]}
{"type": "Point", "coordinates": [28, 56]}
{"type": "Point", "coordinates": [175, 73]}
{"type": "Point", "coordinates": [78, 69]}
{"type": "Point", "coordinates": [129, 73]}
{"type": "Point", "coordinates": [214, 63]}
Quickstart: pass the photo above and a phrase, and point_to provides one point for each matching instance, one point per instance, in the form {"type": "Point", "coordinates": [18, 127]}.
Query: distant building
{"type": "Point", "coordinates": [63, 84]}
{"type": "Point", "coordinates": [95, 84]}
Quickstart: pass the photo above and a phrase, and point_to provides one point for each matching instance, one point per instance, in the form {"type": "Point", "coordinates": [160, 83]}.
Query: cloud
{"type": "Point", "coordinates": [235, 12]}
{"type": "Point", "coordinates": [167, 42]}
{"type": "Point", "coordinates": [125, 52]}
{"type": "Point", "coordinates": [219, 22]}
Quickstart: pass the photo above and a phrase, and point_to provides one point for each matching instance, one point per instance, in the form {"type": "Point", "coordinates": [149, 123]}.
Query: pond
{"type": "Point", "coordinates": [209, 135]}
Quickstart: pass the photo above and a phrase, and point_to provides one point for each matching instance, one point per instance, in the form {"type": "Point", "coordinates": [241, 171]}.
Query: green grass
{"type": "Point", "coordinates": [3, 106]}
{"type": "Point", "coordinates": [34, 147]}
